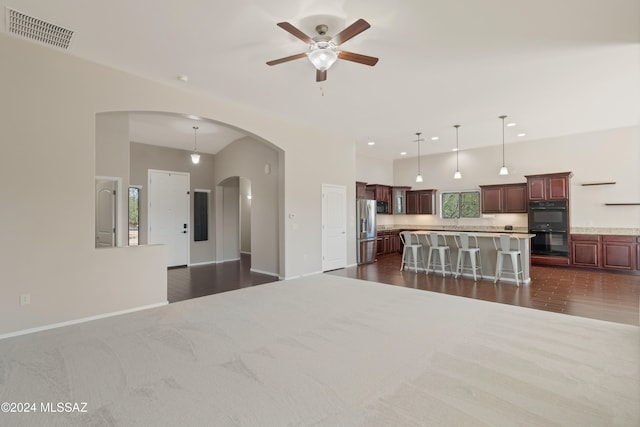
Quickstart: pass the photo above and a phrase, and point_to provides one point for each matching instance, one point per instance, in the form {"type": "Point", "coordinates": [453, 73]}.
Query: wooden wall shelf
{"type": "Point", "coordinates": [589, 184]}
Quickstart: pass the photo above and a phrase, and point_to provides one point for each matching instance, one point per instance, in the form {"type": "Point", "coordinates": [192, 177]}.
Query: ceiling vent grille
{"type": "Point", "coordinates": [36, 29]}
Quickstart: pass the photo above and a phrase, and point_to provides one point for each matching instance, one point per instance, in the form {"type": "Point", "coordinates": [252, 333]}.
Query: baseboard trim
{"type": "Point", "coordinates": [268, 273]}
{"type": "Point", "coordinates": [80, 320]}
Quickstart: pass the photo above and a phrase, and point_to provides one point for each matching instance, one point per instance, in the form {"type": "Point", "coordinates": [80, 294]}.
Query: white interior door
{"type": "Point", "coordinates": [334, 227]}
{"type": "Point", "coordinates": [169, 214]}
{"type": "Point", "coordinates": [105, 213]}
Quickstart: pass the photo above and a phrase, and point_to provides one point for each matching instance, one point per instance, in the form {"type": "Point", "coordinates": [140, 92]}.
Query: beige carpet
{"type": "Point", "coordinates": [327, 351]}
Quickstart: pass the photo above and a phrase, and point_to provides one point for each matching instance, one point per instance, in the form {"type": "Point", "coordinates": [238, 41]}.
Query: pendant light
{"type": "Point", "coordinates": [195, 157]}
{"type": "Point", "coordinates": [419, 176]}
{"type": "Point", "coordinates": [503, 169]}
{"type": "Point", "coordinates": [457, 174]}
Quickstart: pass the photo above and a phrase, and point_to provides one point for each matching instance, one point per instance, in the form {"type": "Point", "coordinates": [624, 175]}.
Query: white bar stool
{"type": "Point", "coordinates": [442, 250]}
{"type": "Point", "coordinates": [463, 243]}
{"type": "Point", "coordinates": [412, 249]}
{"type": "Point", "coordinates": [504, 249]}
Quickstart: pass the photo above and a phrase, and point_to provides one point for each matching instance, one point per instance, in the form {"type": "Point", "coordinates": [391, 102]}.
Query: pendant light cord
{"type": "Point", "coordinates": [503, 117]}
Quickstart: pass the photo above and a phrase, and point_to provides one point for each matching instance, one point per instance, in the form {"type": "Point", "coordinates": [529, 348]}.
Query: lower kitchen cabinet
{"type": "Point", "coordinates": [605, 251]}
{"type": "Point", "coordinates": [585, 250]}
{"type": "Point", "coordinates": [619, 252]}
{"type": "Point", "coordinates": [388, 241]}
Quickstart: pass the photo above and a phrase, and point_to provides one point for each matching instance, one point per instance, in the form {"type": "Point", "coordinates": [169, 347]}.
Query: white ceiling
{"type": "Point", "coordinates": [554, 67]}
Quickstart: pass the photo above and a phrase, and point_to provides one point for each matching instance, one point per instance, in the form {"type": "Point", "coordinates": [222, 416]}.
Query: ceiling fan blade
{"type": "Point", "coordinates": [351, 31]}
{"type": "Point", "coordinates": [321, 75]}
{"type": "Point", "coordinates": [296, 32]}
{"type": "Point", "coordinates": [356, 57]}
{"type": "Point", "coordinates": [287, 58]}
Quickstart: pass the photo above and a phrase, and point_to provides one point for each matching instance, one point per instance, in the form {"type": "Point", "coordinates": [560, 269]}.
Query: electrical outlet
{"type": "Point", "coordinates": [25, 299]}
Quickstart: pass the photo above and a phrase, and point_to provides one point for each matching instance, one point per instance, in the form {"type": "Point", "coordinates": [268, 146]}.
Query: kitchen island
{"type": "Point", "coordinates": [488, 252]}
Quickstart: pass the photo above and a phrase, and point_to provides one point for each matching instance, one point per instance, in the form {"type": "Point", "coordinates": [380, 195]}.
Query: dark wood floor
{"type": "Point", "coordinates": [198, 281]}
{"type": "Point", "coordinates": [614, 297]}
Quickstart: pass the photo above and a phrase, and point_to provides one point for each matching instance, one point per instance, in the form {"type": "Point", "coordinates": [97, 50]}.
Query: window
{"type": "Point", "coordinates": [461, 205]}
{"type": "Point", "coordinates": [134, 212]}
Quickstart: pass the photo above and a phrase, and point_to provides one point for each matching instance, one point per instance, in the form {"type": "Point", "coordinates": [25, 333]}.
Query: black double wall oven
{"type": "Point", "coordinates": [549, 222]}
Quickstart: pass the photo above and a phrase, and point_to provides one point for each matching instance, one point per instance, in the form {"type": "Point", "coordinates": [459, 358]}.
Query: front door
{"type": "Point", "coordinates": [169, 214]}
{"type": "Point", "coordinates": [334, 227]}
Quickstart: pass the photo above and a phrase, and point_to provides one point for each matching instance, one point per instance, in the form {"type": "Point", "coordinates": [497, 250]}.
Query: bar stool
{"type": "Point", "coordinates": [462, 241]}
{"type": "Point", "coordinates": [443, 251]}
{"type": "Point", "coordinates": [412, 249]}
{"type": "Point", "coordinates": [503, 248]}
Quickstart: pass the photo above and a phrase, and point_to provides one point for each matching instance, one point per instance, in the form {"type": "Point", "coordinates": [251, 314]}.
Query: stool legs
{"type": "Point", "coordinates": [442, 252]}
{"type": "Point", "coordinates": [515, 258]}
{"type": "Point", "coordinates": [474, 258]}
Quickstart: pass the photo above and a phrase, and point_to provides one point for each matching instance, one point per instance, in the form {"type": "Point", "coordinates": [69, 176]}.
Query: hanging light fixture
{"type": "Point", "coordinates": [195, 157]}
{"type": "Point", "coordinates": [457, 174]}
{"type": "Point", "coordinates": [503, 169]}
{"type": "Point", "coordinates": [419, 176]}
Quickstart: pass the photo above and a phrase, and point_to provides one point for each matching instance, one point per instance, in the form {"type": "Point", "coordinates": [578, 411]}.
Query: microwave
{"type": "Point", "coordinates": [382, 207]}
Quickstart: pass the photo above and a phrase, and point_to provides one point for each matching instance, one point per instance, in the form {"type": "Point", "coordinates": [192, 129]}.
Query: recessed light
{"type": "Point", "coordinates": [371, 143]}
{"type": "Point", "coordinates": [183, 78]}
{"type": "Point", "coordinates": [522, 134]}
{"type": "Point", "coordinates": [435, 138]}
{"type": "Point", "coordinates": [404, 153]}
{"type": "Point", "coordinates": [511, 125]}
{"type": "Point", "coordinates": [454, 149]}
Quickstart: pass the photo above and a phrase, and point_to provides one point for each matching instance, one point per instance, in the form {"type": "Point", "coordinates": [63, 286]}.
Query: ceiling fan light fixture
{"type": "Point", "coordinates": [322, 56]}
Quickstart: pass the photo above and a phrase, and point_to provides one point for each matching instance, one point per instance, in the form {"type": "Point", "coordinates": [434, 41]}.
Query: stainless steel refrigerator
{"type": "Point", "coordinates": [366, 217]}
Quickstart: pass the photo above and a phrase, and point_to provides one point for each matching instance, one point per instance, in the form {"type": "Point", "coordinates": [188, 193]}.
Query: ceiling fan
{"type": "Point", "coordinates": [323, 49]}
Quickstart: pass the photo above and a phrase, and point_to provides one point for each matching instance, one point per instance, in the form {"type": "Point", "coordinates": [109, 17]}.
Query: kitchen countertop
{"type": "Point", "coordinates": [606, 231]}
{"type": "Point", "coordinates": [454, 228]}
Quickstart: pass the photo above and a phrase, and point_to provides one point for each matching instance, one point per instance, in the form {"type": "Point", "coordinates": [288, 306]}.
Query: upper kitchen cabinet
{"type": "Point", "coordinates": [399, 200]}
{"type": "Point", "coordinates": [381, 193]}
{"type": "Point", "coordinates": [361, 190]}
{"type": "Point", "coordinates": [421, 202]}
{"type": "Point", "coordinates": [504, 198]}
{"type": "Point", "coordinates": [552, 186]}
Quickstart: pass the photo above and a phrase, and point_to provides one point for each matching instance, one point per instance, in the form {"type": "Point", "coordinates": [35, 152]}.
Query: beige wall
{"type": "Point", "coordinates": [145, 157]}
{"type": "Point", "coordinates": [48, 127]}
{"type": "Point", "coordinates": [612, 155]}
{"type": "Point", "coordinates": [246, 158]}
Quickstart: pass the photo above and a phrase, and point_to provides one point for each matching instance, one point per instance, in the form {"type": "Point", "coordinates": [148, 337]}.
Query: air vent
{"type": "Point", "coordinates": [38, 30]}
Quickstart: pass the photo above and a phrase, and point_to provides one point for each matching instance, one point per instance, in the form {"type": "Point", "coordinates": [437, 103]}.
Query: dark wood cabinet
{"type": "Point", "coordinates": [361, 190]}
{"type": "Point", "coordinates": [388, 241]}
{"type": "Point", "coordinates": [605, 251]}
{"type": "Point", "coordinates": [504, 198]}
{"type": "Point", "coordinates": [586, 250]}
{"type": "Point", "coordinates": [381, 193]}
{"type": "Point", "coordinates": [619, 252]}
{"type": "Point", "coordinates": [421, 202]}
{"type": "Point", "coordinates": [515, 196]}
{"type": "Point", "coordinates": [554, 186]}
